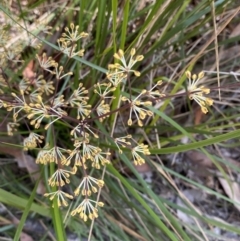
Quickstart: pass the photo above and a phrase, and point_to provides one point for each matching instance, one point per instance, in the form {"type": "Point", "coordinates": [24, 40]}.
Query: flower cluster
{"type": "Point", "coordinates": [125, 67]}
{"type": "Point", "coordinates": [11, 127]}
{"type": "Point", "coordinates": [32, 140]}
{"type": "Point", "coordinates": [68, 42]}
{"type": "Point", "coordinates": [44, 107]}
{"type": "Point", "coordinates": [61, 197]}
{"type": "Point", "coordinates": [198, 93]}
{"type": "Point", "coordinates": [86, 209]}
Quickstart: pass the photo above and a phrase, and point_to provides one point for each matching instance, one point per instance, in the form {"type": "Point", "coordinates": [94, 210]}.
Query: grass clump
{"type": "Point", "coordinates": [95, 91]}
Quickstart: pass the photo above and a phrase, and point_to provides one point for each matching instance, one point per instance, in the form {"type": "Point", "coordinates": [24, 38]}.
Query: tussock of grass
{"type": "Point", "coordinates": [174, 37]}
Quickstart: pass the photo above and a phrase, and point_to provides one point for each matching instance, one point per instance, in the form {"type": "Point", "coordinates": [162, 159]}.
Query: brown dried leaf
{"type": "Point", "coordinates": [33, 170]}
{"type": "Point", "coordinates": [229, 53]}
{"type": "Point", "coordinates": [28, 72]}
{"type": "Point", "coordinates": [25, 237]}
{"type": "Point", "coordinates": [142, 168]}
{"type": "Point", "coordinates": [23, 160]}
{"type": "Point", "coordinates": [198, 116]}
{"type": "Point", "coordinates": [232, 191]}
{"type": "Point", "coordinates": [235, 32]}
{"type": "Point", "coordinates": [200, 159]}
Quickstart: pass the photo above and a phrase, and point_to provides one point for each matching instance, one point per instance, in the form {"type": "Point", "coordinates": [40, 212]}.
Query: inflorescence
{"type": "Point", "coordinates": [38, 100]}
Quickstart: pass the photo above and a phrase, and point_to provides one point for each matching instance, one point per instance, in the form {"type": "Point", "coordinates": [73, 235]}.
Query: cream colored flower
{"type": "Point", "coordinates": [61, 197]}
{"type": "Point", "coordinates": [87, 210]}
{"type": "Point", "coordinates": [140, 112]}
{"type": "Point", "coordinates": [125, 66]}
{"type": "Point", "coordinates": [88, 185]}
{"type": "Point", "coordinates": [198, 93]}
{"type": "Point", "coordinates": [141, 148]}
{"type": "Point", "coordinates": [31, 141]}
{"type": "Point", "coordinates": [60, 177]}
